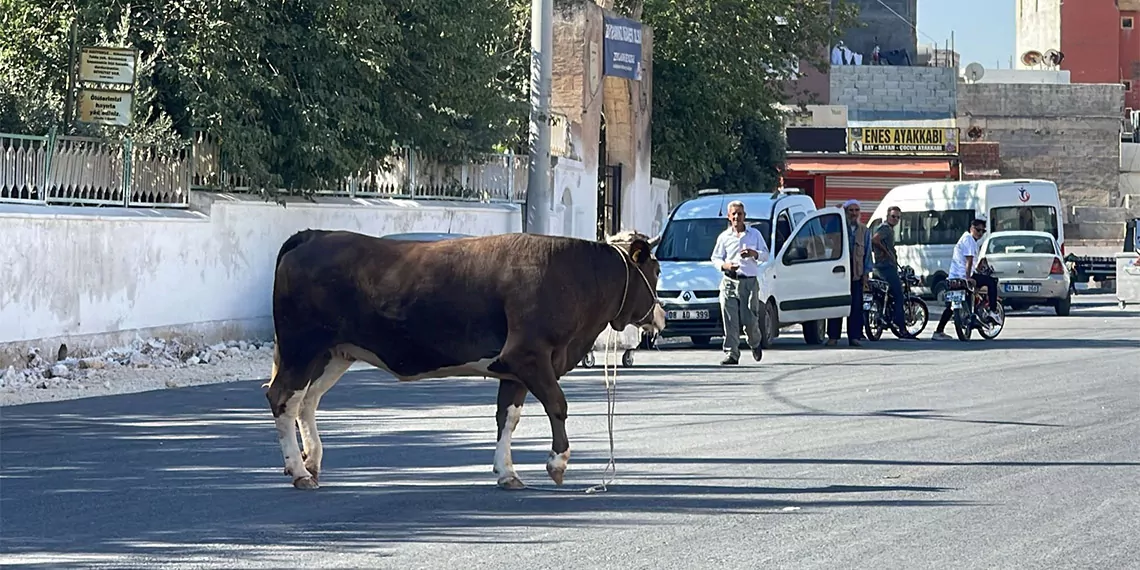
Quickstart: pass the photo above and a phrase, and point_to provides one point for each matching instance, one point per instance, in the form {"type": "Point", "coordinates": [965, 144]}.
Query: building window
{"type": "Point", "coordinates": [1127, 85]}
{"type": "Point", "coordinates": [1126, 22]}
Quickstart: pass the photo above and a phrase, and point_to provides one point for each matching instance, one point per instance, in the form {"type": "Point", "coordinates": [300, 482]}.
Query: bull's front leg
{"type": "Point", "coordinates": [544, 386]}
{"type": "Point", "coordinates": [509, 411]}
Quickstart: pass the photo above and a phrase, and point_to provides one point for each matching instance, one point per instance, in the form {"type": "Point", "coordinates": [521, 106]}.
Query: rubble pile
{"type": "Point", "coordinates": [45, 372]}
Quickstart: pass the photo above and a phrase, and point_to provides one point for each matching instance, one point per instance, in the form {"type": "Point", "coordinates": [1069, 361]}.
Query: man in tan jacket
{"type": "Point", "coordinates": [859, 237]}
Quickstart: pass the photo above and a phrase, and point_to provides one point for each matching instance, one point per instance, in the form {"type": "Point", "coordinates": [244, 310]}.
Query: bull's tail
{"type": "Point", "coordinates": [276, 363]}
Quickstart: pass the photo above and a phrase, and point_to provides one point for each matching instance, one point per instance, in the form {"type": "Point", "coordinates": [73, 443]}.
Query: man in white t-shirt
{"type": "Point", "coordinates": [738, 252]}
{"type": "Point", "coordinates": [962, 267]}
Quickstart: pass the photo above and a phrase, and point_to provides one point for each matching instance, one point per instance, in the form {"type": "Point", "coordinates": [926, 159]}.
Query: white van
{"type": "Point", "coordinates": [805, 279]}
{"type": "Point", "coordinates": [936, 214]}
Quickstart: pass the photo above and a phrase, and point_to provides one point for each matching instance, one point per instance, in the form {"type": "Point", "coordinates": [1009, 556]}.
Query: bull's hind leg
{"type": "Point", "coordinates": [286, 392]}
{"type": "Point", "coordinates": [511, 397]}
{"type": "Point", "coordinates": [335, 365]}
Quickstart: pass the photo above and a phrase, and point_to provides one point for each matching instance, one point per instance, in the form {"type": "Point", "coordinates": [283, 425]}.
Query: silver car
{"type": "Point", "coordinates": [1029, 269]}
{"type": "Point", "coordinates": [425, 236]}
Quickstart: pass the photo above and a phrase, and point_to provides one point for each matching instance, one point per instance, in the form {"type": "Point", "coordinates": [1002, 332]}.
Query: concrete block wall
{"type": "Point", "coordinates": [894, 93]}
{"type": "Point", "coordinates": [1066, 133]}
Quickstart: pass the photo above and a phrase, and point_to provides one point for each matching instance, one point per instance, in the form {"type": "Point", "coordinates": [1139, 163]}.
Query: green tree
{"type": "Point", "coordinates": [752, 165]}
{"type": "Point", "coordinates": [716, 75]}
{"type": "Point", "coordinates": [300, 94]}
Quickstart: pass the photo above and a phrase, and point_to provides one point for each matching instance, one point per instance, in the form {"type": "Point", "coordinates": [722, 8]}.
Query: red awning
{"type": "Point", "coordinates": [864, 165]}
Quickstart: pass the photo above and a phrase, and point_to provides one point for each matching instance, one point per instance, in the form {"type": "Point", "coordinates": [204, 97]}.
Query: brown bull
{"type": "Point", "coordinates": [522, 308]}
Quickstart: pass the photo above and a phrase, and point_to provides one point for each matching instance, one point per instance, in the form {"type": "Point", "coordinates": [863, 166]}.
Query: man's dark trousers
{"type": "Point", "coordinates": [854, 320]}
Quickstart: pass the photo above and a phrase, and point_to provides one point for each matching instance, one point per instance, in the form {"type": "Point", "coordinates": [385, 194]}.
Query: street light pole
{"type": "Point", "coordinates": [538, 194]}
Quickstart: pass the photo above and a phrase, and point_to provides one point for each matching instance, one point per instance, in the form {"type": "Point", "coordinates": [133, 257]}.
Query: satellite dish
{"type": "Point", "coordinates": [1031, 57]}
{"type": "Point", "coordinates": [974, 72]}
{"type": "Point", "coordinates": [1053, 58]}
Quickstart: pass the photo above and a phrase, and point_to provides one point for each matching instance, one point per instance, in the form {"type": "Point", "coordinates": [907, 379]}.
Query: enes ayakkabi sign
{"type": "Point", "coordinates": [902, 140]}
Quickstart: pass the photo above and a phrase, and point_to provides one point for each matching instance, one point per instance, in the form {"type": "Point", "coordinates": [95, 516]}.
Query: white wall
{"type": "Point", "coordinates": [575, 204]}
{"type": "Point", "coordinates": [1038, 29]}
{"type": "Point", "coordinates": [94, 281]}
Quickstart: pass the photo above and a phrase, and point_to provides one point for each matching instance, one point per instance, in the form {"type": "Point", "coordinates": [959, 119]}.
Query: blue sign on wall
{"type": "Point", "coordinates": [621, 46]}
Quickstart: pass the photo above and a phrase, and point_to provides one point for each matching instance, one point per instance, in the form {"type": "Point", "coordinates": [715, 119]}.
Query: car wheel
{"type": "Point", "coordinates": [939, 290]}
{"type": "Point", "coordinates": [769, 329]}
{"type": "Point", "coordinates": [815, 332]}
{"type": "Point", "coordinates": [1064, 305]}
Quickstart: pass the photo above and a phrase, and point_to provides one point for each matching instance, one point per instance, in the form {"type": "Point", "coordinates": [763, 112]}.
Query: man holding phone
{"type": "Point", "coordinates": [738, 253]}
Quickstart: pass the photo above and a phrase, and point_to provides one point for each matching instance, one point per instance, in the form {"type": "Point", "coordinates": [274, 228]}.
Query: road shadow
{"type": "Point", "coordinates": [1002, 342]}
{"type": "Point", "coordinates": [110, 479]}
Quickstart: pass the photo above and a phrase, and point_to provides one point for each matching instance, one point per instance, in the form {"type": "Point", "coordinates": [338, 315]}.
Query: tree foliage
{"type": "Point", "coordinates": [716, 78]}
{"type": "Point", "coordinates": [304, 92]}
{"type": "Point", "coordinates": [752, 164]}
{"type": "Point", "coordinates": [298, 93]}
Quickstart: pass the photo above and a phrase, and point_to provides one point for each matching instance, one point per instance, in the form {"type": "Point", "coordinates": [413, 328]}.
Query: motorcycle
{"type": "Point", "coordinates": [877, 307]}
{"type": "Point", "coordinates": [970, 305]}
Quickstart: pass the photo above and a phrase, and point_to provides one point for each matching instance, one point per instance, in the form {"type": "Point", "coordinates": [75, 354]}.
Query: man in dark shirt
{"type": "Point", "coordinates": [887, 266]}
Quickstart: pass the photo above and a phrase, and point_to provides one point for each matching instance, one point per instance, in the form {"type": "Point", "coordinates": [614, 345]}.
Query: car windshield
{"type": "Point", "coordinates": [693, 240]}
{"type": "Point", "coordinates": [1020, 244]}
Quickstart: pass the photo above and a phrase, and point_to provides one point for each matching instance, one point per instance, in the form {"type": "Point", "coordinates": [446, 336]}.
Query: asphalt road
{"type": "Point", "coordinates": [1020, 452]}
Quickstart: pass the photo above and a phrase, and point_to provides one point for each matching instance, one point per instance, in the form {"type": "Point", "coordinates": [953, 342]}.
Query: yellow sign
{"type": "Point", "coordinates": [105, 107]}
{"type": "Point", "coordinates": [107, 65]}
{"type": "Point", "coordinates": [902, 140]}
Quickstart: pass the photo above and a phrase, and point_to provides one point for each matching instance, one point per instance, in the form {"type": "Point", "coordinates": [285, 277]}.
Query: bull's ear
{"type": "Point", "coordinates": [639, 250]}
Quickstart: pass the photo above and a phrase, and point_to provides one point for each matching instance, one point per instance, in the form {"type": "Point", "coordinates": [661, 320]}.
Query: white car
{"type": "Point", "coordinates": [805, 281]}
{"type": "Point", "coordinates": [1029, 268]}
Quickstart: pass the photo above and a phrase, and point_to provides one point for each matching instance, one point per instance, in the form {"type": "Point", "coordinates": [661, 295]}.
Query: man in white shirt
{"type": "Point", "coordinates": [962, 267]}
{"type": "Point", "coordinates": [738, 253]}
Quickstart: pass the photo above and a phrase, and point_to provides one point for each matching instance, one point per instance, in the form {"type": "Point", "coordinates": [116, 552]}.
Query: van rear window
{"type": "Point", "coordinates": [932, 227]}
{"type": "Point", "coordinates": [1030, 218]}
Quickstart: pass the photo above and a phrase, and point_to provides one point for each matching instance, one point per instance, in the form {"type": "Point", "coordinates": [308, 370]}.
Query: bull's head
{"type": "Point", "coordinates": [640, 306]}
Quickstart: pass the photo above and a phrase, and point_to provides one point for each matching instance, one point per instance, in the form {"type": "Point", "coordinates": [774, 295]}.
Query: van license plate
{"type": "Point", "coordinates": [687, 315]}
{"type": "Point", "coordinates": [1011, 288]}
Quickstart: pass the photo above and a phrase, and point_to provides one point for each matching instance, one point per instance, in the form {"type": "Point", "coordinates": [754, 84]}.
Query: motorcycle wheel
{"type": "Point", "coordinates": [962, 326]}
{"type": "Point", "coordinates": [917, 316]}
{"type": "Point", "coordinates": [871, 325]}
{"type": "Point", "coordinates": [990, 331]}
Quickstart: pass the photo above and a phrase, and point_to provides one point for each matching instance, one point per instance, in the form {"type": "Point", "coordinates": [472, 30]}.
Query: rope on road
{"type": "Point", "coordinates": [609, 372]}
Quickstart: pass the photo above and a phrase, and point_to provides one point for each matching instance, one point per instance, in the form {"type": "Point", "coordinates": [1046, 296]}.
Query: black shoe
{"type": "Point", "coordinates": [729, 360]}
{"type": "Point", "coordinates": [758, 353]}
{"type": "Point", "coordinates": [855, 342]}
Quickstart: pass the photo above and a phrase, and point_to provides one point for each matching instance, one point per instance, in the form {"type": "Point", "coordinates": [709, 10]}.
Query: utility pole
{"type": "Point", "coordinates": [537, 217]}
